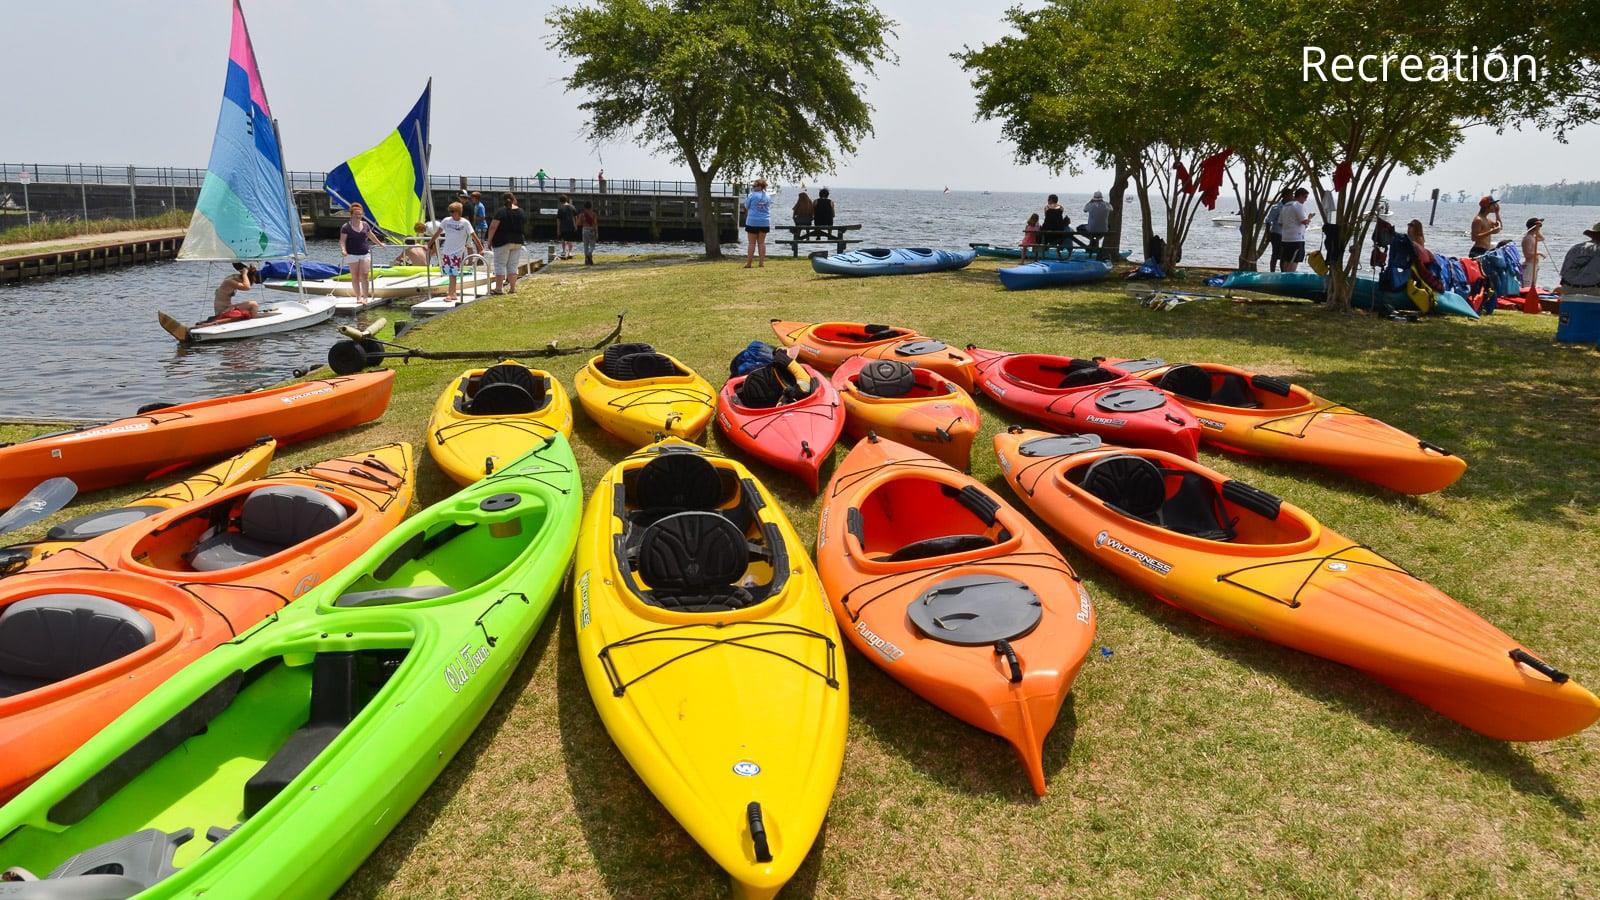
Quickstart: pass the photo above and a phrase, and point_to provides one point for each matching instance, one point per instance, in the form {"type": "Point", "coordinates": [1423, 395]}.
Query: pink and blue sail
{"type": "Point", "coordinates": [244, 212]}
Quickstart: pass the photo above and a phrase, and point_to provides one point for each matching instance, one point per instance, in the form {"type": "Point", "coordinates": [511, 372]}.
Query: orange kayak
{"type": "Point", "coordinates": [88, 631]}
{"type": "Point", "coordinates": [953, 593]}
{"type": "Point", "coordinates": [916, 407]}
{"type": "Point", "coordinates": [826, 345]}
{"type": "Point", "coordinates": [1260, 415]}
{"type": "Point", "coordinates": [1242, 558]}
{"type": "Point", "coordinates": [164, 440]}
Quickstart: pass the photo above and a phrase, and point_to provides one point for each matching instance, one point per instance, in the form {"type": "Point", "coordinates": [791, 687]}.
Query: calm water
{"type": "Point", "coordinates": [93, 339]}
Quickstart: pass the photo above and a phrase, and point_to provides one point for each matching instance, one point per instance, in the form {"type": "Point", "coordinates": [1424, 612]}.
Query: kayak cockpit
{"type": "Point", "coordinates": [890, 379]}
{"type": "Point", "coordinates": [855, 333]}
{"type": "Point", "coordinates": [49, 638]}
{"type": "Point", "coordinates": [1184, 501]}
{"type": "Point", "coordinates": [692, 538]}
{"type": "Point", "coordinates": [1056, 373]}
{"type": "Point", "coordinates": [1219, 386]}
{"type": "Point", "coordinates": [919, 517]}
{"type": "Point", "coordinates": [243, 528]}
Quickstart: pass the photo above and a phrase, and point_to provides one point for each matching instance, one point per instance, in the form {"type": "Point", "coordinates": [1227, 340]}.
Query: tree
{"type": "Point", "coordinates": [726, 87]}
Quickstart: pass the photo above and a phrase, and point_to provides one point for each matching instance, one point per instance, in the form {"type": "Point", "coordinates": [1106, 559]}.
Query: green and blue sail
{"type": "Point", "coordinates": [244, 211]}
{"type": "Point", "coordinates": [389, 180]}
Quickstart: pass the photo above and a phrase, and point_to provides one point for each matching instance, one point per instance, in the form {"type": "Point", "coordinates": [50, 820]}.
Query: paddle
{"type": "Point", "coordinates": [45, 498]}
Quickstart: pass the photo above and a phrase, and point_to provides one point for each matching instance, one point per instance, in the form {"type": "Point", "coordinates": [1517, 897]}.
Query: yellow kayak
{"type": "Point", "coordinates": [246, 466]}
{"type": "Point", "coordinates": [489, 417]}
{"type": "Point", "coordinates": [638, 394]}
{"type": "Point", "coordinates": [710, 652]}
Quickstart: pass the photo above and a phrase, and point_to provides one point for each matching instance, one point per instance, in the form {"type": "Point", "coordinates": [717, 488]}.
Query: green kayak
{"type": "Point", "coordinates": [1048, 253]}
{"type": "Point", "coordinates": [276, 763]}
{"type": "Point", "coordinates": [392, 272]}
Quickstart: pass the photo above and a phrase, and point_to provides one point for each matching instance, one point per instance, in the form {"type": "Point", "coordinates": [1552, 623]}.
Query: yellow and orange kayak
{"type": "Point", "coordinates": [826, 345]}
{"type": "Point", "coordinates": [1261, 415]}
{"type": "Point", "coordinates": [954, 593]}
{"type": "Point", "coordinates": [246, 466]}
{"type": "Point", "coordinates": [1242, 558]}
{"type": "Point", "coordinates": [916, 407]}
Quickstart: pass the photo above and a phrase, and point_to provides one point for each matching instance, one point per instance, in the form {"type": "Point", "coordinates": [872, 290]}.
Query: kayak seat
{"type": "Point", "coordinates": [763, 388]}
{"type": "Point", "coordinates": [105, 521]}
{"type": "Point", "coordinates": [53, 637]}
{"type": "Point", "coordinates": [1136, 487]}
{"type": "Point", "coordinates": [614, 353]}
{"type": "Point", "coordinates": [1086, 374]}
{"type": "Point", "coordinates": [122, 867]}
{"type": "Point", "coordinates": [387, 596]}
{"type": "Point", "coordinates": [508, 389]}
{"type": "Point", "coordinates": [886, 378]}
{"type": "Point", "coordinates": [690, 561]}
{"type": "Point", "coordinates": [943, 545]}
{"type": "Point", "coordinates": [272, 520]}
{"type": "Point", "coordinates": [679, 482]}
{"type": "Point", "coordinates": [335, 683]}
{"type": "Point", "coordinates": [1187, 381]}
{"type": "Point", "coordinates": [638, 366]}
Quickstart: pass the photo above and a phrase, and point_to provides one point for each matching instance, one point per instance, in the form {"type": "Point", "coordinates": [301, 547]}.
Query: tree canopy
{"type": "Point", "coordinates": [728, 88]}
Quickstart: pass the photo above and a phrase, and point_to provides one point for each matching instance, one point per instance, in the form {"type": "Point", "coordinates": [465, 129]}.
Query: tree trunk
{"type": "Point", "coordinates": [1119, 188]}
{"type": "Point", "coordinates": [1147, 228]}
{"type": "Point", "coordinates": [708, 213]}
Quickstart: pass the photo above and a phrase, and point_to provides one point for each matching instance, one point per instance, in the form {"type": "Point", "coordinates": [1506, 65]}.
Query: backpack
{"type": "Point", "coordinates": [758, 355]}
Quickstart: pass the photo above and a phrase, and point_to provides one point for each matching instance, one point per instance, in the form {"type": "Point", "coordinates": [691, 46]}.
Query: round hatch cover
{"type": "Point", "coordinates": [1128, 400]}
{"type": "Point", "coordinates": [498, 502]}
{"type": "Point", "coordinates": [1060, 445]}
{"type": "Point", "coordinates": [918, 348]}
{"type": "Point", "coordinates": [974, 610]}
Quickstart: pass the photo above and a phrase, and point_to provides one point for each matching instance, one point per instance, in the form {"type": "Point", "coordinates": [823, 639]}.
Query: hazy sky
{"type": "Point", "coordinates": [139, 81]}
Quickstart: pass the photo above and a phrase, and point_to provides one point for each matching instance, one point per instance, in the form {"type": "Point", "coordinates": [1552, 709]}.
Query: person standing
{"type": "Point", "coordinates": [541, 176]}
{"type": "Point", "coordinates": [1580, 270]}
{"type": "Point", "coordinates": [1485, 225]}
{"type": "Point", "coordinates": [1292, 223]}
{"type": "Point", "coordinates": [566, 225]}
{"type": "Point", "coordinates": [355, 242]}
{"type": "Point", "coordinates": [822, 210]}
{"type": "Point", "coordinates": [600, 179]}
{"type": "Point", "coordinates": [1531, 239]}
{"type": "Point", "coordinates": [451, 241]}
{"type": "Point", "coordinates": [757, 222]}
{"type": "Point", "coordinates": [589, 224]}
{"type": "Point", "coordinates": [505, 240]}
{"type": "Point", "coordinates": [803, 210]}
{"type": "Point", "coordinates": [1332, 247]}
{"type": "Point", "coordinates": [480, 216]}
{"type": "Point", "coordinates": [1275, 230]}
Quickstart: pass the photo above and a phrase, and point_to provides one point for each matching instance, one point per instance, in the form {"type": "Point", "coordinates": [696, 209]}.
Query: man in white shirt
{"type": "Point", "coordinates": [451, 241]}
{"type": "Point", "coordinates": [1292, 222]}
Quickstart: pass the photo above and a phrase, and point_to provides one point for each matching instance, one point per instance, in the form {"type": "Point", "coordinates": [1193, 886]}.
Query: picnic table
{"type": "Point", "coordinates": [1072, 240]}
{"type": "Point", "coordinates": [821, 235]}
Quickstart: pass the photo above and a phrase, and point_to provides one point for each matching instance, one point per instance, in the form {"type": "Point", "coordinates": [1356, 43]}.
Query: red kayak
{"type": "Point", "coordinates": [1082, 395]}
{"type": "Point", "coordinates": [793, 435]}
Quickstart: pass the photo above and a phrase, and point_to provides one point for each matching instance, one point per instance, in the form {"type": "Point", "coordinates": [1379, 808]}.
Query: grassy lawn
{"type": "Point", "coordinates": [1190, 760]}
{"type": "Point", "coordinates": [50, 231]}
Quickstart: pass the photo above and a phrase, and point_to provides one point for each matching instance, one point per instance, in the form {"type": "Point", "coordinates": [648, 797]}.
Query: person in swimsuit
{"type": "Point", "coordinates": [415, 254]}
{"type": "Point", "coordinates": [355, 242]}
{"type": "Point", "coordinates": [1485, 225]}
{"type": "Point", "coordinates": [226, 297]}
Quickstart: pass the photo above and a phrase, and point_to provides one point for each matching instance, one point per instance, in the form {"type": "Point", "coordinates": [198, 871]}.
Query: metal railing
{"type": "Point", "coordinates": [175, 176]}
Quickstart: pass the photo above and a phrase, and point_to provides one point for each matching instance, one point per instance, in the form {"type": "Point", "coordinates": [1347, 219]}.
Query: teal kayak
{"type": "Point", "coordinates": [1366, 295]}
{"type": "Point", "coordinates": [1047, 253]}
{"type": "Point", "coordinates": [276, 763]}
{"type": "Point", "coordinates": [891, 261]}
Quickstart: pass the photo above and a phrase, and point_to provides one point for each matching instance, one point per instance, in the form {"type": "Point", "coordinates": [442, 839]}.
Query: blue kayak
{"type": "Point", "coordinates": [891, 261]}
{"type": "Point", "coordinates": [1366, 295]}
{"type": "Point", "coordinates": [1054, 253]}
{"type": "Point", "coordinates": [1053, 274]}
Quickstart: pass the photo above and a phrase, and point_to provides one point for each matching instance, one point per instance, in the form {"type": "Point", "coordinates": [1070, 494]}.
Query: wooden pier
{"type": "Point", "coordinates": [90, 257]}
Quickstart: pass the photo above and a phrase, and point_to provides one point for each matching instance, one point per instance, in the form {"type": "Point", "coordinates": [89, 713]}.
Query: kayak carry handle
{"type": "Point", "coordinates": [805, 449]}
{"type": "Point", "coordinates": [872, 436]}
{"type": "Point", "coordinates": [488, 465]}
{"type": "Point", "coordinates": [1431, 446]}
{"type": "Point", "coordinates": [1540, 666]}
{"type": "Point", "coordinates": [1003, 648]}
{"type": "Point", "coordinates": [758, 832]}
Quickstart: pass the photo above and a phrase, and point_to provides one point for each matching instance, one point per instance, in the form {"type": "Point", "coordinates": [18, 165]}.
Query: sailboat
{"type": "Point", "coordinates": [390, 182]}
{"type": "Point", "coordinates": [245, 211]}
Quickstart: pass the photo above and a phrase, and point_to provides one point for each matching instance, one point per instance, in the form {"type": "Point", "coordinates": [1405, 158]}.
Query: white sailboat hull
{"type": "Point", "coordinates": [274, 319]}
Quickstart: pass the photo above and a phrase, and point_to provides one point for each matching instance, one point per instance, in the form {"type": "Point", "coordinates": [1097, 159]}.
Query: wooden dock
{"type": "Point", "coordinates": [90, 257]}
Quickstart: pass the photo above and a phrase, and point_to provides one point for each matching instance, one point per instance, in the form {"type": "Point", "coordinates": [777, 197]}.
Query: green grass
{"type": "Point", "coordinates": [49, 231]}
{"type": "Point", "coordinates": [1190, 761]}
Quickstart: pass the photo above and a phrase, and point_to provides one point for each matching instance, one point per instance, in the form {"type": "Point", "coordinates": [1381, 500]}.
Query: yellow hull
{"type": "Point", "coordinates": [467, 447]}
{"type": "Point", "coordinates": [718, 711]}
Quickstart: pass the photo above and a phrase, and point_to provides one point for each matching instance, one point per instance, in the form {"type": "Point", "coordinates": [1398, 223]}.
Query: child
{"type": "Point", "coordinates": [451, 241]}
{"type": "Point", "coordinates": [1030, 234]}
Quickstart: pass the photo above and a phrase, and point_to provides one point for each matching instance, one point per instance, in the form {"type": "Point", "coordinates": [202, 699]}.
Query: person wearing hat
{"type": "Point", "coordinates": [1098, 213]}
{"type": "Point", "coordinates": [1580, 271]}
{"type": "Point", "coordinates": [1531, 239]}
{"type": "Point", "coordinates": [1485, 225]}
